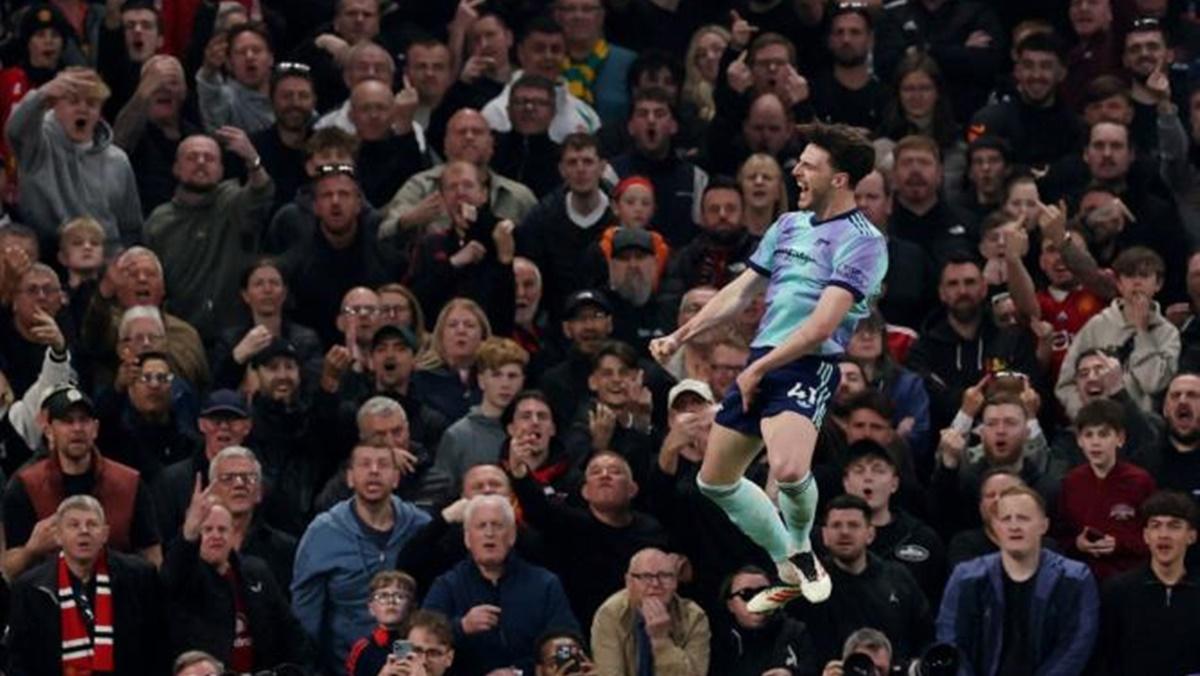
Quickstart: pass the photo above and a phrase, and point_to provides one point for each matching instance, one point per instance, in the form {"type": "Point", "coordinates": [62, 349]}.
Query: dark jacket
{"type": "Point", "coordinates": [884, 596]}
{"type": "Point", "coordinates": [531, 600]}
{"type": "Point", "coordinates": [127, 437]}
{"type": "Point", "coordinates": [1148, 627]}
{"type": "Point", "coordinates": [1063, 615]}
{"type": "Point", "coordinates": [35, 635]}
{"type": "Point", "coordinates": [318, 276]}
{"type": "Point", "coordinates": [549, 238]}
{"type": "Point", "coordinates": [1038, 136]}
{"type": "Point", "coordinates": [202, 609]}
{"type": "Point", "coordinates": [783, 643]}
{"type": "Point", "coordinates": [441, 389]}
{"type": "Point", "coordinates": [708, 260]}
{"type": "Point", "coordinates": [228, 374]}
{"type": "Point", "coordinates": [295, 462]}
{"type": "Point", "coordinates": [939, 232]}
{"type": "Point", "coordinates": [439, 545]}
{"type": "Point", "coordinates": [531, 160]}
{"type": "Point", "coordinates": [385, 165]}
{"type": "Point", "coordinates": [914, 545]}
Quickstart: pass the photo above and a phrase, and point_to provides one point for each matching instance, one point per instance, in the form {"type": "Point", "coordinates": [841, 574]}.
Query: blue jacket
{"type": "Point", "coordinates": [1063, 619]}
{"type": "Point", "coordinates": [611, 88]}
{"type": "Point", "coordinates": [334, 565]}
{"type": "Point", "coordinates": [531, 599]}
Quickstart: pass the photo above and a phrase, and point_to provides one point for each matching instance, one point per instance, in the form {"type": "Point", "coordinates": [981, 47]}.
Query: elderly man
{"type": "Point", "coordinates": [647, 627]}
{"type": "Point", "coordinates": [37, 321]}
{"type": "Point", "coordinates": [540, 52]}
{"type": "Point", "coordinates": [105, 605]}
{"type": "Point", "coordinates": [220, 600]}
{"type": "Point", "coordinates": [207, 233]}
{"type": "Point", "coordinates": [419, 203]}
{"type": "Point", "coordinates": [135, 278]}
{"type": "Point", "coordinates": [56, 132]}
{"type": "Point", "coordinates": [497, 603]}
{"type": "Point", "coordinates": [343, 548]}
{"type": "Point", "coordinates": [242, 100]}
{"type": "Point", "coordinates": [389, 153]}
{"type": "Point", "coordinates": [150, 126]}
{"type": "Point", "coordinates": [363, 61]}
{"type": "Point", "coordinates": [74, 467]}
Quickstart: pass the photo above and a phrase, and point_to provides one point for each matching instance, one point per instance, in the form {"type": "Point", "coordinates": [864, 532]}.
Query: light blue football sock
{"type": "Point", "coordinates": [798, 502]}
{"type": "Point", "coordinates": [751, 510]}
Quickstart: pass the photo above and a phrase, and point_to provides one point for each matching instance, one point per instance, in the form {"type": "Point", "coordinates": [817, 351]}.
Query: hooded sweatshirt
{"type": "Point", "coordinates": [61, 179]}
{"type": "Point", "coordinates": [334, 565]}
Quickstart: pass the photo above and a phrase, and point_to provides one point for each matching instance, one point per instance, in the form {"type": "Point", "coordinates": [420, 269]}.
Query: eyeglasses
{"type": "Point", "coordinates": [336, 170]}
{"type": "Point", "coordinates": [661, 577]}
{"type": "Point", "coordinates": [396, 597]}
{"type": "Point", "coordinates": [529, 103]}
{"type": "Point", "coordinates": [156, 378]}
{"type": "Point", "coordinates": [1146, 23]}
{"type": "Point", "coordinates": [393, 310]}
{"type": "Point", "coordinates": [292, 68]}
{"type": "Point", "coordinates": [46, 290]}
{"type": "Point", "coordinates": [360, 310]}
{"type": "Point", "coordinates": [248, 478]}
{"type": "Point", "coordinates": [746, 593]}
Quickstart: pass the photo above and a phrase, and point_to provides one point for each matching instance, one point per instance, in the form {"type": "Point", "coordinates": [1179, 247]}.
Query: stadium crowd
{"type": "Point", "coordinates": [324, 335]}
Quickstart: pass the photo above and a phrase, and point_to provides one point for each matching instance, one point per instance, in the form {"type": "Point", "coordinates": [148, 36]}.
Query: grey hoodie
{"type": "Point", "coordinates": [61, 179]}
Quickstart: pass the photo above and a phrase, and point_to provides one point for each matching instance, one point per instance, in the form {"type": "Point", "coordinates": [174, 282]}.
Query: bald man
{"type": "Point", "coordinates": [418, 204]}
{"type": "Point", "coordinates": [389, 153]}
{"type": "Point", "coordinates": [648, 624]}
{"type": "Point", "coordinates": [207, 233]}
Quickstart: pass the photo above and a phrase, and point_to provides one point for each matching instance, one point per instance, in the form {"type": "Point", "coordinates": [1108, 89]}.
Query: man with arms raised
{"type": "Point", "coordinates": [818, 267]}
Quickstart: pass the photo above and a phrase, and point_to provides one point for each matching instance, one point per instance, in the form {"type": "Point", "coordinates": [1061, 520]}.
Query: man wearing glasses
{"type": "Point", "coordinates": [140, 429]}
{"type": "Point", "coordinates": [647, 628]}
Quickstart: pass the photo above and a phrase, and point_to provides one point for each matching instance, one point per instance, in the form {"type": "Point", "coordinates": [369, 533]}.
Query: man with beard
{"type": "Point", "coordinates": [241, 100]}
{"type": "Point", "coordinates": [633, 275]}
{"type": "Point", "coordinates": [292, 437]}
{"type": "Point", "coordinates": [587, 324]}
{"type": "Point", "coordinates": [921, 215]}
{"type": "Point", "coordinates": [281, 146]}
{"type": "Point", "coordinates": [74, 467]}
{"type": "Point", "coordinates": [1174, 462]}
{"type": "Point", "coordinates": [343, 252]}
{"type": "Point", "coordinates": [908, 289]}
{"type": "Point", "coordinates": [868, 590]}
{"type": "Point", "coordinates": [343, 548]}
{"type": "Point", "coordinates": [1147, 58]}
{"type": "Point", "coordinates": [961, 343]}
{"type": "Point", "coordinates": [150, 126]}
{"type": "Point", "coordinates": [130, 37]}
{"type": "Point", "coordinates": [719, 253]}
{"type": "Point", "coordinates": [206, 235]}
{"type": "Point", "coordinates": [1039, 128]}
{"type": "Point", "coordinates": [56, 132]}
{"type": "Point", "coordinates": [652, 124]}
{"type": "Point", "coordinates": [849, 92]}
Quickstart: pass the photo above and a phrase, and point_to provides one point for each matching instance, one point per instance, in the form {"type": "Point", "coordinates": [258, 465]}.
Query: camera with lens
{"type": "Point", "coordinates": [858, 664]}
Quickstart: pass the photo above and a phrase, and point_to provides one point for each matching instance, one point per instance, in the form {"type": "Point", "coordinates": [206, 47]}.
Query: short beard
{"type": "Point", "coordinates": [851, 61]}
{"type": "Point", "coordinates": [201, 188]}
{"type": "Point", "coordinates": [634, 289]}
{"type": "Point", "coordinates": [1189, 439]}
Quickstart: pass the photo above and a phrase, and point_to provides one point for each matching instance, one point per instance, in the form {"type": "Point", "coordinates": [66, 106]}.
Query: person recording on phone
{"type": "Point", "coordinates": [561, 653]}
{"type": "Point", "coordinates": [390, 603]}
{"type": "Point", "coordinates": [473, 259]}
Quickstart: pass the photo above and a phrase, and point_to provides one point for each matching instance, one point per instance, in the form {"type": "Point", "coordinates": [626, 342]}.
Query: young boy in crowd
{"type": "Point", "coordinates": [81, 250]}
{"type": "Point", "coordinates": [1099, 502]}
{"type": "Point", "coordinates": [392, 599]}
{"type": "Point", "coordinates": [1133, 328]}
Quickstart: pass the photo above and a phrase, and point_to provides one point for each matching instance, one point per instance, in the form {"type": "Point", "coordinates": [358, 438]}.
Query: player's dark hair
{"type": "Point", "coordinates": [849, 150]}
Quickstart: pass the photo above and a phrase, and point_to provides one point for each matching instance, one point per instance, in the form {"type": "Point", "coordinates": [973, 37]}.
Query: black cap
{"type": "Point", "coordinates": [579, 299]}
{"type": "Point", "coordinates": [224, 402]}
{"type": "Point", "coordinates": [394, 332]}
{"type": "Point", "coordinates": [865, 448]}
{"type": "Point", "coordinates": [278, 348]}
{"type": "Point", "coordinates": [39, 16]}
{"type": "Point", "coordinates": [65, 399]}
{"type": "Point", "coordinates": [632, 238]}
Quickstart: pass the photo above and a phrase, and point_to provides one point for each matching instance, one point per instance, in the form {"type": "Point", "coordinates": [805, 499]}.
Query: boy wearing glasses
{"type": "Point", "coordinates": [390, 602]}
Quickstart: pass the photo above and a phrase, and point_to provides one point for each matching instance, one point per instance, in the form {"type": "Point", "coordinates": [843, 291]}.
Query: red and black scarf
{"type": "Point", "coordinates": [84, 653]}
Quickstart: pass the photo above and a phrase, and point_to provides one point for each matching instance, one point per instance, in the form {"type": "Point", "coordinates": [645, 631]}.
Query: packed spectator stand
{"type": "Point", "coordinates": [325, 325]}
